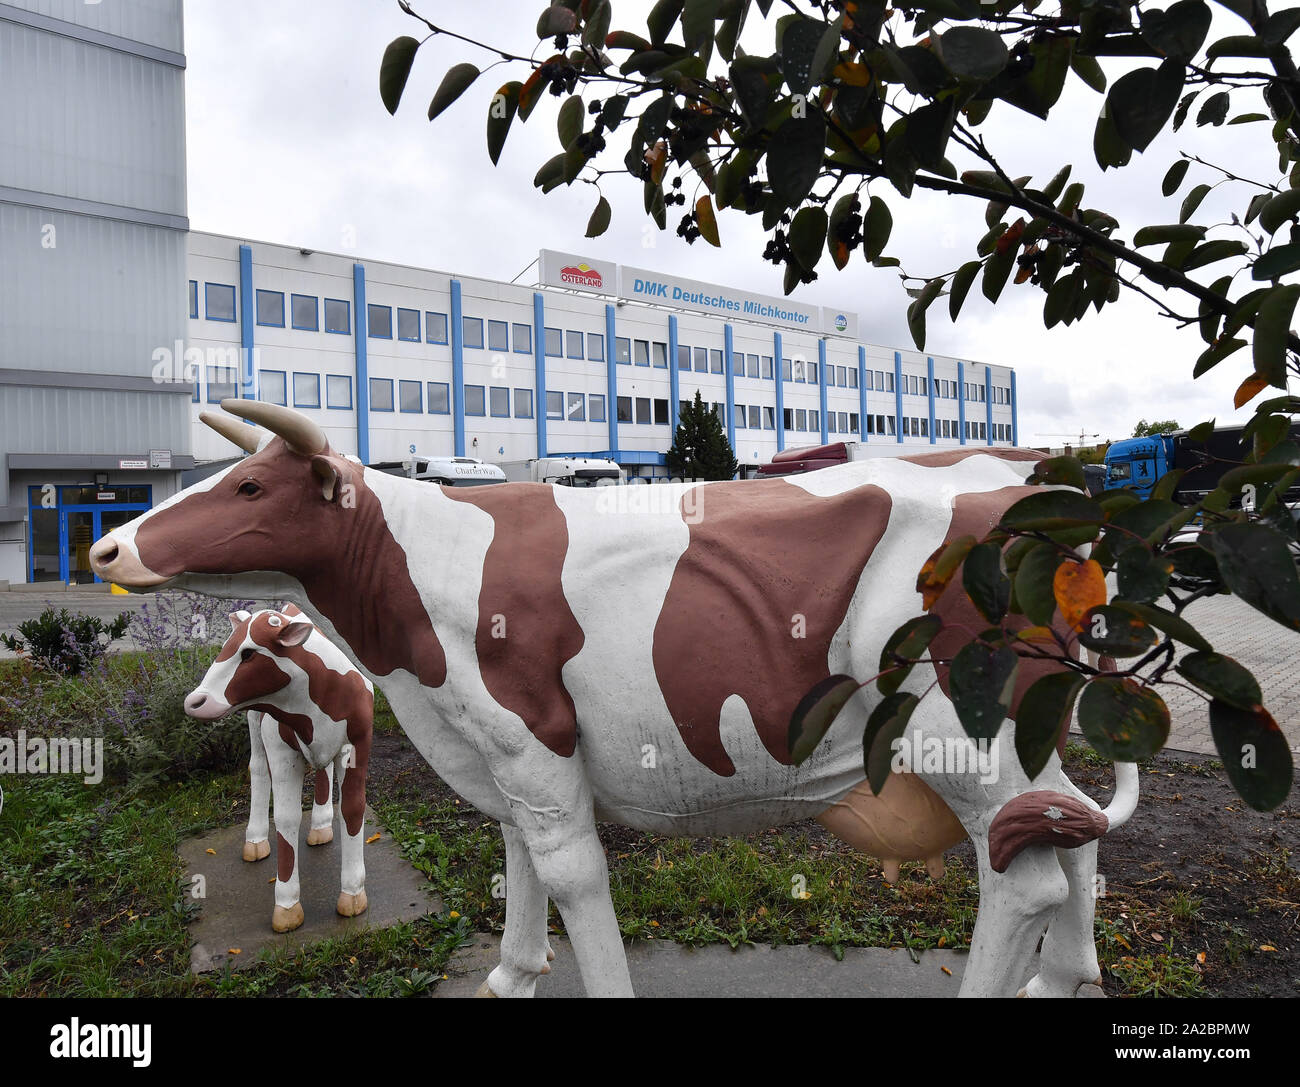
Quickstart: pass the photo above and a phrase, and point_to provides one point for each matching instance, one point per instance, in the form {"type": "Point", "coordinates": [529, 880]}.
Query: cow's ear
{"type": "Point", "coordinates": [237, 617]}
{"type": "Point", "coordinates": [296, 631]}
{"type": "Point", "coordinates": [329, 470]}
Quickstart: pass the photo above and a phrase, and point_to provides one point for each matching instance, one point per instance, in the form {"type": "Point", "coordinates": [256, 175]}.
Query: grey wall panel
{"type": "Point", "coordinates": [42, 420]}
{"type": "Point", "coordinates": [83, 121]}
{"type": "Point", "coordinates": [154, 22]}
{"type": "Point", "coordinates": [102, 300]}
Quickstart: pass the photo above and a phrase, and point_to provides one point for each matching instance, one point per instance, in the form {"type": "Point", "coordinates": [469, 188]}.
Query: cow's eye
{"type": "Point", "coordinates": [249, 488]}
{"type": "Point", "coordinates": [245, 654]}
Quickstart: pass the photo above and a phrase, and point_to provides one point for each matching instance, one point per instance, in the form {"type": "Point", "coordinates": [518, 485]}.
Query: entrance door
{"type": "Point", "coordinates": [77, 533]}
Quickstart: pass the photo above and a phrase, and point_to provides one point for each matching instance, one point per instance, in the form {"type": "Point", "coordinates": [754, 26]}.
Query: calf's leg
{"type": "Point", "coordinates": [287, 770]}
{"type": "Point", "coordinates": [525, 952]}
{"type": "Point", "coordinates": [256, 837]}
{"type": "Point", "coordinates": [322, 808]}
{"type": "Point", "coordinates": [352, 885]}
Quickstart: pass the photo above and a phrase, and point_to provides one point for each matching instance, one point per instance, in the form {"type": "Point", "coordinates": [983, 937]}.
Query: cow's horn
{"type": "Point", "coordinates": [248, 438]}
{"type": "Point", "coordinates": [302, 435]}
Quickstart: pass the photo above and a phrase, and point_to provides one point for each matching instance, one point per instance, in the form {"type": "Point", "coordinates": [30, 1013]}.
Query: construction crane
{"type": "Point", "coordinates": [1079, 438]}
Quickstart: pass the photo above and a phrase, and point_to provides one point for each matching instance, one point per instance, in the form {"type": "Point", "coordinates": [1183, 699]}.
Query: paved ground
{"type": "Point", "coordinates": [1268, 649]}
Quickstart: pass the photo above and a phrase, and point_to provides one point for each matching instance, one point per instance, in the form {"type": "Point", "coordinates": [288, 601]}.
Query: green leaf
{"type": "Point", "coordinates": [972, 53]}
{"type": "Point", "coordinates": [1052, 510]}
{"type": "Point", "coordinates": [981, 681]}
{"type": "Point", "coordinates": [794, 157]}
{"type": "Point", "coordinates": [394, 70]}
{"type": "Point", "coordinates": [1142, 575]}
{"type": "Point", "coordinates": [1175, 626]}
{"type": "Point", "coordinates": [1255, 754]}
{"type": "Point", "coordinates": [1222, 678]}
{"type": "Point", "coordinates": [808, 235]}
{"type": "Point", "coordinates": [1066, 471]}
{"type": "Point", "coordinates": [1122, 720]}
{"type": "Point", "coordinates": [568, 122]}
{"type": "Point", "coordinates": [876, 227]}
{"type": "Point", "coordinates": [453, 85]}
{"type": "Point", "coordinates": [1115, 632]}
{"type": "Point", "coordinates": [1087, 69]}
{"type": "Point", "coordinates": [798, 47]}
{"type": "Point", "coordinates": [1257, 566]}
{"type": "Point", "coordinates": [1185, 104]}
{"type": "Point", "coordinates": [556, 19]}
{"type": "Point", "coordinates": [505, 103]}
{"type": "Point", "coordinates": [887, 723]}
{"type": "Point", "coordinates": [1210, 252]}
{"type": "Point", "coordinates": [596, 24]}
{"type": "Point", "coordinates": [1277, 262]}
{"type": "Point", "coordinates": [1272, 328]}
{"type": "Point", "coordinates": [1178, 31]}
{"type": "Point", "coordinates": [985, 580]}
{"type": "Point", "coordinates": [599, 221]}
{"type": "Point", "coordinates": [1141, 102]}
{"type": "Point", "coordinates": [1034, 589]}
{"type": "Point", "coordinates": [997, 270]}
{"type": "Point", "coordinates": [960, 286]}
{"type": "Point", "coordinates": [1216, 353]}
{"type": "Point", "coordinates": [1174, 177]}
{"type": "Point", "coordinates": [1172, 232]}
{"type": "Point", "coordinates": [1239, 45]}
{"type": "Point", "coordinates": [1278, 209]}
{"type": "Point", "coordinates": [815, 714]}
{"type": "Point", "coordinates": [755, 81]}
{"type": "Point", "coordinates": [910, 641]}
{"type": "Point", "coordinates": [662, 19]}
{"type": "Point", "coordinates": [1044, 712]}
{"type": "Point", "coordinates": [916, 311]}
{"type": "Point", "coordinates": [1192, 201]}
{"type": "Point", "coordinates": [1214, 110]}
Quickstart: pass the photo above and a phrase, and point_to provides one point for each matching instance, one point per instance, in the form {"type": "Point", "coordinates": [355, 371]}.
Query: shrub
{"type": "Point", "coordinates": [65, 643]}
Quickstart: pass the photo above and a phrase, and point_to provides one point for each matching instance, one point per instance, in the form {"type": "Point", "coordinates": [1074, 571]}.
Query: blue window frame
{"type": "Point", "coordinates": [439, 398]}
{"type": "Point", "coordinates": [499, 402]}
{"type": "Point", "coordinates": [338, 316]}
{"type": "Point", "coordinates": [715, 361]}
{"type": "Point", "coordinates": [409, 398]}
{"type": "Point", "coordinates": [595, 347]}
{"type": "Point", "coordinates": [306, 390]}
{"type": "Point", "coordinates": [304, 312]}
{"type": "Point", "coordinates": [408, 325]}
{"type": "Point", "coordinates": [741, 416]}
{"type": "Point", "coordinates": [381, 394]}
{"type": "Point", "coordinates": [751, 366]}
{"type": "Point", "coordinates": [573, 344]}
{"type": "Point", "coordinates": [498, 336]}
{"type": "Point", "coordinates": [554, 343]}
{"type": "Point", "coordinates": [576, 411]}
{"type": "Point", "coordinates": [223, 383]}
{"type": "Point", "coordinates": [435, 327]}
{"type": "Point", "coordinates": [474, 400]}
{"type": "Point", "coordinates": [194, 297]}
{"type": "Point", "coordinates": [812, 373]}
{"type": "Point", "coordinates": [787, 374]}
{"type": "Point", "coordinates": [641, 352]}
{"type": "Point", "coordinates": [701, 360]}
{"type": "Point", "coordinates": [338, 392]}
{"type": "Point", "coordinates": [219, 301]}
{"type": "Point", "coordinates": [622, 350]}
{"type": "Point", "coordinates": [767, 367]}
{"type": "Point", "coordinates": [683, 357]}
{"type": "Point", "coordinates": [270, 308]}
{"type": "Point", "coordinates": [472, 331]}
{"type": "Point", "coordinates": [523, 339]}
{"type": "Point", "coordinates": [596, 408]}
{"type": "Point", "coordinates": [737, 364]}
{"type": "Point", "coordinates": [271, 387]}
{"type": "Point", "coordinates": [524, 403]}
{"type": "Point", "coordinates": [554, 404]}
{"type": "Point", "coordinates": [659, 355]}
{"type": "Point", "coordinates": [379, 322]}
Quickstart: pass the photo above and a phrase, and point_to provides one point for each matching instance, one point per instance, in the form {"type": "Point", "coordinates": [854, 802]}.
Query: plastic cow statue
{"type": "Point", "coordinates": [307, 707]}
{"type": "Point", "coordinates": [634, 655]}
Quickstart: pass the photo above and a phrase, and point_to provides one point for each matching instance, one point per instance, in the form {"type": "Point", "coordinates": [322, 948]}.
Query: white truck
{"type": "Point", "coordinates": [565, 471]}
{"type": "Point", "coordinates": [448, 471]}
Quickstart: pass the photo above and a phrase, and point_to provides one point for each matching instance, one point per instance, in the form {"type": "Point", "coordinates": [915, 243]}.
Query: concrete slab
{"type": "Point", "coordinates": [662, 968]}
{"type": "Point", "coordinates": [236, 912]}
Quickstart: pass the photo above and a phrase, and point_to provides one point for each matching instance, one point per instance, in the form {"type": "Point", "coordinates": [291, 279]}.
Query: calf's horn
{"type": "Point", "coordinates": [302, 435]}
{"type": "Point", "coordinates": [248, 438]}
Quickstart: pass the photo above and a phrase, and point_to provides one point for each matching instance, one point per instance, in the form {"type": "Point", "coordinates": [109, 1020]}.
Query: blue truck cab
{"type": "Point", "coordinates": [1136, 463]}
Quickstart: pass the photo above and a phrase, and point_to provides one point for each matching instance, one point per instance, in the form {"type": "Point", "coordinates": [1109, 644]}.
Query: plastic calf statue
{"type": "Point", "coordinates": [307, 707]}
{"type": "Point", "coordinates": [634, 655]}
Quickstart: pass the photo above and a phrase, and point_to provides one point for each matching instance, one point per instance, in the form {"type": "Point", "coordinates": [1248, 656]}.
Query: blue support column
{"type": "Point", "coordinates": [862, 392]}
{"type": "Point", "coordinates": [821, 381]}
{"type": "Point", "coordinates": [929, 386]}
{"type": "Point", "coordinates": [457, 370]}
{"type": "Point", "coordinates": [1015, 412]}
{"type": "Point", "coordinates": [611, 380]}
{"type": "Point", "coordinates": [674, 380]}
{"type": "Point", "coordinates": [360, 330]}
{"type": "Point", "coordinates": [247, 381]}
{"type": "Point", "coordinates": [780, 392]}
{"type": "Point", "coordinates": [961, 401]}
{"type": "Point", "coordinates": [898, 395]}
{"type": "Point", "coordinates": [988, 402]}
{"type": "Point", "coordinates": [539, 363]}
{"type": "Point", "coordinates": [728, 346]}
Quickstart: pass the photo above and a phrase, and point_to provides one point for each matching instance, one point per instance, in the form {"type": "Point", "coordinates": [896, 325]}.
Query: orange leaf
{"type": "Point", "coordinates": [707, 221]}
{"type": "Point", "coordinates": [1078, 587]}
{"type": "Point", "coordinates": [1035, 634]}
{"type": "Point", "coordinates": [212, 851]}
{"type": "Point", "coordinates": [1200, 956]}
{"type": "Point", "coordinates": [374, 837]}
{"type": "Point", "coordinates": [855, 75]}
{"type": "Point", "coordinates": [946, 970]}
{"type": "Point", "coordinates": [657, 159]}
{"type": "Point", "coordinates": [1011, 236]}
{"type": "Point", "coordinates": [235, 950]}
{"type": "Point", "coordinates": [1249, 389]}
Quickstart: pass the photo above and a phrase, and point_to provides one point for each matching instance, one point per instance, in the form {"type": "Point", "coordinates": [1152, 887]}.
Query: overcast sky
{"type": "Point", "coordinates": [288, 142]}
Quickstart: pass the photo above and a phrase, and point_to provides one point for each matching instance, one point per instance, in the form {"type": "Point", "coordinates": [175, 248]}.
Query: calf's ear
{"type": "Point", "coordinates": [296, 631]}
{"type": "Point", "coordinates": [237, 617]}
{"type": "Point", "coordinates": [331, 473]}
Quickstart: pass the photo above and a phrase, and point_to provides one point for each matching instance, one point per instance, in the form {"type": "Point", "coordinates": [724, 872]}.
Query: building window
{"type": "Point", "coordinates": [381, 394]}
{"type": "Point", "coordinates": [737, 364]}
{"type": "Point", "coordinates": [701, 360]}
{"type": "Point", "coordinates": [622, 350]}
{"type": "Point", "coordinates": [221, 384]}
{"type": "Point", "coordinates": [523, 338]}
{"type": "Point", "coordinates": [523, 403]}
{"type": "Point", "coordinates": [624, 405]}
{"type": "Point", "coordinates": [751, 366]}
{"type": "Point", "coordinates": [683, 357]}
{"type": "Point", "coordinates": [270, 308]}
{"type": "Point", "coordinates": [554, 341]}
{"type": "Point", "coordinates": [596, 408]}
{"type": "Point", "coordinates": [474, 400]}
{"type": "Point", "coordinates": [641, 352]}
{"type": "Point", "coordinates": [853, 378]}
{"type": "Point", "coordinates": [643, 410]}
{"type": "Point", "coordinates": [499, 402]}
{"type": "Point", "coordinates": [338, 316]}
{"type": "Point", "coordinates": [498, 336]}
{"type": "Point", "coordinates": [787, 418]}
{"type": "Point", "coordinates": [595, 347]}
{"type": "Point", "coordinates": [814, 420]}
{"type": "Point", "coordinates": [435, 327]}
{"type": "Point", "coordinates": [659, 355]}
{"type": "Point", "coordinates": [219, 301]}
{"type": "Point", "coordinates": [830, 423]}
{"type": "Point", "coordinates": [304, 311]}
{"type": "Point", "coordinates": [554, 405]}
{"type": "Point", "coordinates": [842, 376]}
{"type": "Point", "coordinates": [472, 332]}
{"type": "Point", "coordinates": [379, 322]}
{"type": "Point", "coordinates": [577, 408]}
{"type": "Point", "coordinates": [439, 398]}
{"type": "Point", "coordinates": [661, 412]}
{"type": "Point", "coordinates": [890, 425]}
{"type": "Point", "coordinates": [338, 391]}
{"type": "Point", "coordinates": [844, 422]}
{"type": "Point", "coordinates": [306, 390]}
{"type": "Point", "coordinates": [812, 373]}
{"type": "Point", "coordinates": [194, 297]}
{"type": "Point", "coordinates": [573, 344]}
{"type": "Point", "coordinates": [742, 417]}
{"type": "Point", "coordinates": [787, 370]}
{"type": "Point", "coordinates": [408, 396]}
{"type": "Point", "coordinates": [715, 361]}
{"type": "Point", "coordinates": [853, 422]}
{"type": "Point", "coordinates": [769, 418]}
{"type": "Point", "coordinates": [408, 325]}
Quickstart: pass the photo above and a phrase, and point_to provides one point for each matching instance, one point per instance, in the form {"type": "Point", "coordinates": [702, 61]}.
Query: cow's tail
{"type": "Point", "coordinates": [1125, 801]}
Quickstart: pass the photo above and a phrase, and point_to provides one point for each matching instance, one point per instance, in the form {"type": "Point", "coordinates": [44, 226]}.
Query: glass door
{"type": "Point", "coordinates": [78, 532]}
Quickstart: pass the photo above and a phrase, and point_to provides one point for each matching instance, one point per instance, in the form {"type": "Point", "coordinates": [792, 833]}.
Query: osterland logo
{"type": "Point", "coordinates": [581, 275]}
{"type": "Point", "coordinates": [841, 322]}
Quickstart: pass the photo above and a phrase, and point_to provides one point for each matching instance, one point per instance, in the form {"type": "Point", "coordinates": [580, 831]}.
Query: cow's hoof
{"type": "Point", "coordinates": [351, 905]}
{"type": "Point", "coordinates": [550, 955]}
{"type": "Point", "coordinates": [485, 990]}
{"type": "Point", "coordinates": [283, 920]}
{"type": "Point", "coordinates": [934, 865]}
{"type": "Point", "coordinates": [890, 870]}
{"type": "Point", "coordinates": [257, 851]}
{"type": "Point", "coordinates": [320, 835]}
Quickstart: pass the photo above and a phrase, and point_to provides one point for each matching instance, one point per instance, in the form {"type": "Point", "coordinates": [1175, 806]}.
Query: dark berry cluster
{"type": "Point", "coordinates": [688, 228]}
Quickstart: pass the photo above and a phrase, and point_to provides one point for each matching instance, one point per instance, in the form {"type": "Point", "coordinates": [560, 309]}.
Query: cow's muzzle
{"type": "Point", "coordinates": [204, 707]}
{"type": "Point", "coordinates": [112, 562]}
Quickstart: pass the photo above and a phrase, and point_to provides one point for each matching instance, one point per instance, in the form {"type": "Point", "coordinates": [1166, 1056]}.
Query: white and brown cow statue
{"type": "Point", "coordinates": [307, 707]}
{"type": "Point", "coordinates": [634, 654]}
